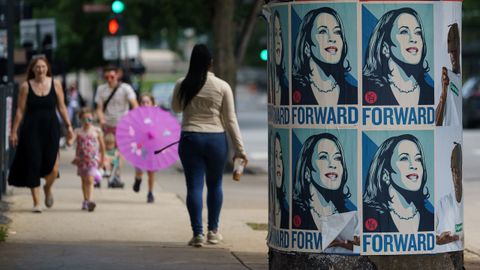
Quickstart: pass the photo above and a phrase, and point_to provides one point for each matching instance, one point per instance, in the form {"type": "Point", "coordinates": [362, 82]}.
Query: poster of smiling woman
{"type": "Point", "coordinates": [324, 191]}
{"type": "Point", "coordinates": [398, 193]}
{"type": "Point", "coordinates": [279, 93]}
{"type": "Point", "coordinates": [397, 54]}
{"type": "Point", "coordinates": [323, 54]}
{"type": "Point", "coordinates": [279, 188]}
{"type": "Point", "coordinates": [280, 184]}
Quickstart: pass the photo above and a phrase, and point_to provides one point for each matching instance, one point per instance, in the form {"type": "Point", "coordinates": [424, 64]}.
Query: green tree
{"type": "Point", "coordinates": [79, 34]}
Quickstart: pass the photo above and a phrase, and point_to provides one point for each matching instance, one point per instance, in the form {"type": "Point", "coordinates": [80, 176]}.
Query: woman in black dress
{"type": "Point", "coordinates": [38, 137]}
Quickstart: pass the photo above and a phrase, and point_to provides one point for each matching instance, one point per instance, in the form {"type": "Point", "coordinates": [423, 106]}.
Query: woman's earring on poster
{"type": "Point", "coordinates": [307, 50]}
{"type": "Point", "coordinates": [386, 51]}
{"type": "Point", "coordinates": [386, 178]}
{"type": "Point", "coordinates": [307, 174]}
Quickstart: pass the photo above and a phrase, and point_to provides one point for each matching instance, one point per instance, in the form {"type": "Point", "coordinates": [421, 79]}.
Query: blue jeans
{"type": "Point", "coordinates": [203, 157]}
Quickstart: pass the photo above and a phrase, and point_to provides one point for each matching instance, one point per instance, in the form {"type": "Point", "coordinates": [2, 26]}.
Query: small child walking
{"type": "Point", "coordinates": [148, 101]}
{"type": "Point", "coordinates": [90, 152]}
{"type": "Point", "coordinates": [111, 162]}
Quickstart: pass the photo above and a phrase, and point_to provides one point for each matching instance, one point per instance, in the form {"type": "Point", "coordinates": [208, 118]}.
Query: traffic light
{"type": "Point", "coordinates": [113, 26]}
{"type": "Point", "coordinates": [116, 18]}
{"type": "Point", "coordinates": [118, 6]}
{"type": "Point", "coordinates": [264, 55]}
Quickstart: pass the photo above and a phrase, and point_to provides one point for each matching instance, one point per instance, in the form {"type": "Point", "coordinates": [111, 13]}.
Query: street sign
{"type": "Point", "coordinates": [38, 31]}
{"type": "Point", "coordinates": [110, 48]}
{"type": "Point", "coordinates": [129, 47]}
{"type": "Point", "coordinates": [93, 8]}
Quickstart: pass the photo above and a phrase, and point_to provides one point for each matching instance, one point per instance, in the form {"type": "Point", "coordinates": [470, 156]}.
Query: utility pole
{"type": "Point", "coordinates": [337, 189]}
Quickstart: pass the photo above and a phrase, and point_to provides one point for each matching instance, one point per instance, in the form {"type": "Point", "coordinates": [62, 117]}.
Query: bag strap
{"type": "Point", "coordinates": [110, 97]}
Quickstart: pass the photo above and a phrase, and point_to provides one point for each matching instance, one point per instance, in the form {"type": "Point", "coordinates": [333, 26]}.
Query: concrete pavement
{"type": "Point", "coordinates": [115, 256]}
{"type": "Point", "coordinates": [471, 189]}
{"type": "Point", "coordinates": [124, 232]}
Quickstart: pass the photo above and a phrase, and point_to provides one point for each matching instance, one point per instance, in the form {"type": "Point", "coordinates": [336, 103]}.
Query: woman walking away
{"type": "Point", "coordinates": [89, 154]}
{"type": "Point", "coordinates": [208, 110]}
{"type": "Point", "coordinates": [38, 139]}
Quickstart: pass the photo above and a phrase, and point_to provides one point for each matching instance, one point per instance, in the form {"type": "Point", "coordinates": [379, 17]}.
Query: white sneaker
{"type": "Point", "coordinates": [37, 209]}
{"type": "Point", "coordinates": [197, 241]}
{"type": "Point", "coordinates": [214, 237]}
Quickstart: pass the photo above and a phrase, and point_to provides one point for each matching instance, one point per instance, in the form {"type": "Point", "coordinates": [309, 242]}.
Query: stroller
{"type": "Point", "coordinates": [110, 171]}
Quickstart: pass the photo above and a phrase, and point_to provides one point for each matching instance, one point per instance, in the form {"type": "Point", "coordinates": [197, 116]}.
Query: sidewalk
{"type": "Point", "coordinates": [124, 232]}
{"type": "Point", "coordinates": [471, 218]}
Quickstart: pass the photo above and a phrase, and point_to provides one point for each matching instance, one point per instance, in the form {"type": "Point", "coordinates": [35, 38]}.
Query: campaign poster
{"type": "Point", "coordinates": [324, 193]}
{"type": "Point", "coordinates": [279, 93]}
{"type": "Point", "coordinates": [449, 227]}
{"type": "Point", "coordinates": [324, 55]}
{"type": "Point", "coordinates": [448, 74]}
{"type": "Point", "coordinates": [279, 188]}
{"type": "Point", "coordinates": [369, 135]}
{"type": "Point", "coordinates": [397, 54]}
{"type": "Point", "coordinates": [398, 192]}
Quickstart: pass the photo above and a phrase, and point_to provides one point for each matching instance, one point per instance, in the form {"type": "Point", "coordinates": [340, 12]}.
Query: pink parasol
{"type": "Point", "coordinates": [143, 131]}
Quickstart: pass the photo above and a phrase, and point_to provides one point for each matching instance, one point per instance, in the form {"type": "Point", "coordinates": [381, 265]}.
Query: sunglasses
{"type": "Point", "coordinates": [109, 77]}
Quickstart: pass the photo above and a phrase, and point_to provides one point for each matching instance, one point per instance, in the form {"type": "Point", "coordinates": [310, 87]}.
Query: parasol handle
{"type": "Point", "coordinates": [170, 145]}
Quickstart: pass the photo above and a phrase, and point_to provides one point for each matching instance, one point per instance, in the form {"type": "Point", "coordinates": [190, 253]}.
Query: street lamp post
{"type": "Point", "coordinates": [365, 135]}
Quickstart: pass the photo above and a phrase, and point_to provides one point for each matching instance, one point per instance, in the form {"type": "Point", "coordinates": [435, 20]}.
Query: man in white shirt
{"type": "Point", "coordinates": [449, 108]}
{"type": "Point", "coordinates": [112, 106]}
{"type": "Point", "coordinates": [449, 209]}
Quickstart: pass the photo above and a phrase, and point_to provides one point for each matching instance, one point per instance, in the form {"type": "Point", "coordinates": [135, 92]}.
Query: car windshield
{"type": "Point", "coordinates": [163, 94]}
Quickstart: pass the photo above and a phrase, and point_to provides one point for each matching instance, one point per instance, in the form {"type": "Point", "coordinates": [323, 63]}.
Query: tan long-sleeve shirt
{"type": "Point", "coordinates": [211, 110]}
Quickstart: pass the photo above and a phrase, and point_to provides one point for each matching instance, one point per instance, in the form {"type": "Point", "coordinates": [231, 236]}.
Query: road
{"type": "Point", "coordinates": [471, 189]}
{"type": "Point", "coordinates": [471, 155]}
{"type": "Point", "coordinates": [252, 117]}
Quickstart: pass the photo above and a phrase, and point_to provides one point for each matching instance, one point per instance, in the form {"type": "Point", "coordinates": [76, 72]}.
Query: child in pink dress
{"type": "Point", "coordinates": [90, 152]}
{"type": "Point", "coordinates": [148, 101]}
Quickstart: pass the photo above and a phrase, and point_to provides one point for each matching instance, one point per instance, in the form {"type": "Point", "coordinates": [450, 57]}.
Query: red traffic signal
{"type": "Point", "coordinates": [113, 26]}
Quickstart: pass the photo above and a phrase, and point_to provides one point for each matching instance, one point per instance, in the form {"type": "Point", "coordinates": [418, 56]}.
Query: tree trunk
{"type": "Point", "coordinates": [247, 31]}
{"type": "Point", "coordinates": [224, 37]}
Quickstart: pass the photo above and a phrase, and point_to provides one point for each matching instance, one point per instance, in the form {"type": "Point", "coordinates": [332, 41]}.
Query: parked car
{"type": "Point", "coordinates": [471, 102]}
{"type": "Point", "coordinates": [163, 93]}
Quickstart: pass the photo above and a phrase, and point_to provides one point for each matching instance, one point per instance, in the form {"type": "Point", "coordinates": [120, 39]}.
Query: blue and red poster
{"type": "Point", "coordinates": [365, 127]}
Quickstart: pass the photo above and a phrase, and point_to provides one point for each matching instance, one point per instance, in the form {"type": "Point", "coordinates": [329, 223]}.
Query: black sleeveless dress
{"type": "Point", "coordinates": [38, 140]}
